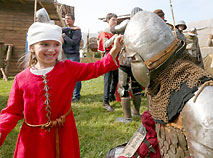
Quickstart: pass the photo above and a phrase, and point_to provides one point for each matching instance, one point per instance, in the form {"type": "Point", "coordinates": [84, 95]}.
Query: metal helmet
{"type": "Point", "coordinates": [119, 29]}
{"type": "Point", "coordinates": [134, 11]}
{"type": "Point", "coordinates": [181, 22]}
{"type": "Point", "coordinates": [193, 32]}
{"type": "Point", "coordinates": [42, 16]}
{"type": "Point", "coordinates": [147, 39]}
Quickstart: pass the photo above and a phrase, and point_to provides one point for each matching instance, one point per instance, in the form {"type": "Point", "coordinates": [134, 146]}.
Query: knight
{"type": "Point", "coordinates": [193, 47]}
{"type": "Point", "coordinates": [126, 79]}
{"type": "Point", "coordinates": [179, 93]}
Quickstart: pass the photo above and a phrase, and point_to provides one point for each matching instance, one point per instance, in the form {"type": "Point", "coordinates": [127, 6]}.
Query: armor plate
{"type": "Point", "coordinates": [197, 120]}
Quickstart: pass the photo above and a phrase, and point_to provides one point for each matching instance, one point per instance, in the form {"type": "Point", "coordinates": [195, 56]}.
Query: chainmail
{"type": "Point", "coordinates": [170, 80]}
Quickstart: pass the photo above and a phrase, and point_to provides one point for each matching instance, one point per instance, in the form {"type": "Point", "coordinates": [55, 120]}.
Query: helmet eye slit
{"type": "Point", "coordinates": [137, 58]}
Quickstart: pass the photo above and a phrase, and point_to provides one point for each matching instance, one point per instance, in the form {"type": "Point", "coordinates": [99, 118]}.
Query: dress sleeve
{"type": "Point", "coordinates": [13, 112]}
{"type": "Point", "coordinates": [86, 71]}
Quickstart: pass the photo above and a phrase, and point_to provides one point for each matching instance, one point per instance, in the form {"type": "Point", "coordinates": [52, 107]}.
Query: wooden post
{"type": "Point", "coordinates": [2, 61]}
{"type": "Point", "coordinates": [4, 75]}
{"type": "Point", "coordinates": [60, 15]}
{"type": "Point", "coordinates": [35, 9]}
{"type": "Point", "coordinates": [88, 42]}
{"type": "Point", "coordinates": [8, 56]}
{"type": "Point", "coordinates": [1, 56]}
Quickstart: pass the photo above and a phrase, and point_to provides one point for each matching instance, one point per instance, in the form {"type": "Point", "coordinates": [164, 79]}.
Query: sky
{"type": "Point", "coordinates": [87, 12]}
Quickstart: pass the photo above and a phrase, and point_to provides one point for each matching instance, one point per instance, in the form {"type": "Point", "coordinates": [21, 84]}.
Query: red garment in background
{"type": "Point", "coordinates": [118, 97]}
{"type": "Point", "coordinates": [27, 98]}
{"type": "Point", "coordinates": [101, 37]}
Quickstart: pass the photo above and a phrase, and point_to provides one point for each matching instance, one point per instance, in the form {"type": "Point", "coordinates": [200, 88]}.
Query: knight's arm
{"type": "Point", "coordinates": [108, 42]}
{"type": "Point", "coordinates": [119, 29]}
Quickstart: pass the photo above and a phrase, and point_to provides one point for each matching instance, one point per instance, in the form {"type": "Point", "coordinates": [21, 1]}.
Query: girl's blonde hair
{"type": "Point", "coordinates": [32, 59]}
{"type": "Point", "coordinates": [27, 60]}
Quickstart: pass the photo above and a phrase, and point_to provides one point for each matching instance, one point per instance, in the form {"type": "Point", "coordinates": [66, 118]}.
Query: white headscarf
{"type": "Point", "coordinates": [38, 32]}
{"type": "Point", "coordinates": [43, 31]}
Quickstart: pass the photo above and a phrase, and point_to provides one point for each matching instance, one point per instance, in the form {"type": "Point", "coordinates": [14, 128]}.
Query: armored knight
{"type": "Point", "coordinates": [126, 80]}
{"type": "Point", "coordinates": [179, 92]}
{"type": "Point", "coordinates": [193, 47]}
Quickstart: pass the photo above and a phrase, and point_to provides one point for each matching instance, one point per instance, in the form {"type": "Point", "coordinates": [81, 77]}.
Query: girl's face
{"type": "Point", "coordinates": [46, 53]}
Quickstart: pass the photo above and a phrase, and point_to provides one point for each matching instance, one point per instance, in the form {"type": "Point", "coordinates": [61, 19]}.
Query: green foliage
{"type": "Point", "coordinates": [7, 149]}
{"type": "Point", "coordinates": [98, 132]}
{"type": "Point", "coordinates": [97, 54]}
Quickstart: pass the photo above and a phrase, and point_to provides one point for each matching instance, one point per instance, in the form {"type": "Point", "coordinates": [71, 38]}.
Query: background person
{"type": "Point", "coordinates": [105, 43]}
{"type": "Point", "coordinates": [180, 26]}
{"type": "Point", "coordinates": [71, 46]}
{"type": "Point", "coordinates": [210, 40]}
{"type": "Point", "coordinates": [193, 46]}
{"type": "Point", "coordinates": [160, 13]}
{"type": "Point", "coordinates": [126, 78]}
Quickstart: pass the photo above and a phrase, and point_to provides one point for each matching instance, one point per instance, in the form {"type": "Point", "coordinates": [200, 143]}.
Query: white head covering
{"type": "Point", "coordinates": [44, 31]}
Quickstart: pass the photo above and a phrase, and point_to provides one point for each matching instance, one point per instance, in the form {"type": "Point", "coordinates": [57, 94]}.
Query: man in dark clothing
{"type": "Point", "coordinates": [72, 39]}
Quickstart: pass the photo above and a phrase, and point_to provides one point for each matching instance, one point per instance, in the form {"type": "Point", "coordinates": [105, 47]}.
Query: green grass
{"type": "Point", "coordinates": [98, 132]}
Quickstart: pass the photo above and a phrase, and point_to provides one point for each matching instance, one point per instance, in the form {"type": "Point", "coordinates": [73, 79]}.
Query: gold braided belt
{"type": "Point", "coordinates": [59, 122]}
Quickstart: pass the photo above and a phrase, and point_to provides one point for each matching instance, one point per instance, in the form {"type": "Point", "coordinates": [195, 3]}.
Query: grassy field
{"type": "Point", "coordinates": [98, 132]}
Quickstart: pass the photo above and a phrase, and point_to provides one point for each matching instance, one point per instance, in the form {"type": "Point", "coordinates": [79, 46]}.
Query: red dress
{"type": "Point", "coordinates": [26, 100]}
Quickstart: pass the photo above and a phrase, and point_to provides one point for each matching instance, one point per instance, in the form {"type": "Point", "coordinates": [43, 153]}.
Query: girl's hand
{"type": "Point", "coordinates": [118, 44]}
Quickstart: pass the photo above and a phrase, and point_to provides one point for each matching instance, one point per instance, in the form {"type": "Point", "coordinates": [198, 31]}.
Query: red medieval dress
{"type": "Point", "coordinates": [26, 100]}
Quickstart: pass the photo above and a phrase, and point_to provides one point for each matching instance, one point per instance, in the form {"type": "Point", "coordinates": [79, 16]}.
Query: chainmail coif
{"type": "Point", "coordinates": [170, 80]}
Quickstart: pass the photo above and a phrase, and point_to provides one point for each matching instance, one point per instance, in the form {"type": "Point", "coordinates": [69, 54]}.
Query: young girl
{"type": "Point", "coordinates": [41, 94]}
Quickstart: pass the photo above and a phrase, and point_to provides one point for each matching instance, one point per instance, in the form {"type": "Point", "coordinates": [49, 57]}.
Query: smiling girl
{"type": "Point", "coordinates": [41, 94]}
